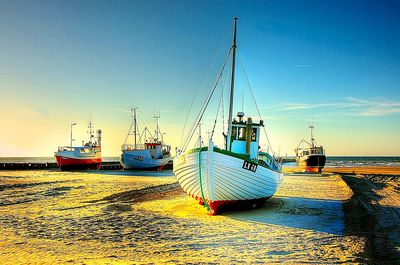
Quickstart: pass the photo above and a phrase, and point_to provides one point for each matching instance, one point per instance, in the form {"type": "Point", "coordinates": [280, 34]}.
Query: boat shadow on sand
{"type": "Point", "coordinates": [368, 215]}
{"type": "Point", "coordinates": [363, 215]}
{"type": "Point", "coordinates": [311, 214]}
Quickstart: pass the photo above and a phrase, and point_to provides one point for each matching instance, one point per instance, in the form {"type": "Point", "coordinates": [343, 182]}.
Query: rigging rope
{"type": "Point", "coordinates": [223, 112]}
{"type": "Point", "coordinates": [219, 104]}
{"type": "Point", "coordinates": [204, 107]}
{"type": "Point", "coordinates": [254, 99]}
{"type": "Point", "coordinates": [127, 135]}
{"type": "Point", "coordinates": [201, 83]}
{"type": "Point", "coordinates": [137, 131]}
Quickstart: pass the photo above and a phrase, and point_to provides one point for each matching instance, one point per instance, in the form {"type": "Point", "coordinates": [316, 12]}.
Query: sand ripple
{"type": "Point", "coordinates": [112, 217]}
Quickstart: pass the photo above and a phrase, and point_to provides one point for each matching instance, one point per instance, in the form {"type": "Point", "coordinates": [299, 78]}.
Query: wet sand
{"type": "Point", "coordinates": [112, 217]}
{"type": "Point", "coordinates": [364, 170]}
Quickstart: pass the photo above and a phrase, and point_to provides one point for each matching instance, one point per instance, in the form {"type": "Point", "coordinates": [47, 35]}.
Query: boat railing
{"type": "Point", "coordinates": [273, 163]}
{"type": "Point", "coordinates": [127, 147]}
{"type": "Point", "coordinates": [66, 148]}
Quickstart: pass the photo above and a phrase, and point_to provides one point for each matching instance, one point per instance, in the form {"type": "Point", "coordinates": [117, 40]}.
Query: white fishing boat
{"type": "Point", "coordinates": [152, 154]}
{"type": "Point", "coordinates": [86, 156]}
{"type": "Point", "coordinates": [239, 173]}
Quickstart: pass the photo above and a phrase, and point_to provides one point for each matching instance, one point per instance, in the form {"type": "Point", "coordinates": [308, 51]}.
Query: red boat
{"type": "Point", "coordinates": [87, 156]}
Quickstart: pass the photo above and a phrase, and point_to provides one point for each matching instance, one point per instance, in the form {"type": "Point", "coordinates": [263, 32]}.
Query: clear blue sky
{"type": "Point", "coordinates": [334, 62]}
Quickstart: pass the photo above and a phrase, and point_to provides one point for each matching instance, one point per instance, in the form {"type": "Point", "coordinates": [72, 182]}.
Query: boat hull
{"type": "Point", "coordinates": [70, 163]}
{"type": "Point", "coordinates": [141, 160]}
{"type": "Point", "coordinates": [312, 163]}
{"type": "Point", "coordinates": [224, 181]}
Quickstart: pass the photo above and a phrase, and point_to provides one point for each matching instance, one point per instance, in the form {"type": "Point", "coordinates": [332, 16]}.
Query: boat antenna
{"type": "Point", "coordinates": [312, 135]}
{"type": "Point", "coordinates": [71, 133]}
{"type": "Point", "coordinates": [228, 139]}
{"type": "Point", "coordinates": [157, 117]}
{"type": "Point", "coordinates": [90, 130]}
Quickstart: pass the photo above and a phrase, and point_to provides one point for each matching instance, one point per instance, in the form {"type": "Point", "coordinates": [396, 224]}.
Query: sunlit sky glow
{"type": "Point", "coordinates": [336, 63]}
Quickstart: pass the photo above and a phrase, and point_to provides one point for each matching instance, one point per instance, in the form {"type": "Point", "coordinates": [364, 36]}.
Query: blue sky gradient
{"type": "Point", "coordinates": [336, 63]}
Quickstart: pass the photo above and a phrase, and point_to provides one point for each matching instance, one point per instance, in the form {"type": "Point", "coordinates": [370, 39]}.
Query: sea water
{"type": "Point", "coordinates": [43, 159]}
{"type": "Point", "coordinates": [357, 161]}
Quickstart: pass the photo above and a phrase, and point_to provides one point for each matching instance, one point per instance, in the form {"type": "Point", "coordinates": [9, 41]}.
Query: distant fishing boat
{"type": "Point", "coordinates": [87, 156]}
{"type": "Point", "coordinates": [238, 174]}
{"type": "Point", "coordinates": [153, 154]}
{"type": "Point", "coordinates": [309, 156]}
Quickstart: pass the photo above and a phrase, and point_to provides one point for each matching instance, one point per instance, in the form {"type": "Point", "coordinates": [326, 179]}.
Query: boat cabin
{"type": "Point", "coordinates": [316, 150]}
{"type": "Point", "coordinates": [157, 150]}
{"type": "Point", "coordinates": [80, 149]}
{"type": "Point", "coordinates": [245, 136]}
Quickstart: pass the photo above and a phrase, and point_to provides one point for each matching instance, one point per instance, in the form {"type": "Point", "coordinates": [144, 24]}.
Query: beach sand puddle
{"type": "Point", "coordinates": [143, 217]}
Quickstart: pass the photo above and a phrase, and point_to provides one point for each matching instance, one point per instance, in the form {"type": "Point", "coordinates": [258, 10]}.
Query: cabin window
{"type": "Point", "coordinates": [254, 134]}
{"type": "Point", "coordinates": [242, 134]}
{"type": "Point", "coordinates": [234, 132]}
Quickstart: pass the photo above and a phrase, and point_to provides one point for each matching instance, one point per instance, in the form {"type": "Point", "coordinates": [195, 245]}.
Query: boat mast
{"type": "Point", "coordinates": [229, 136]}
{"type": "Point", "coordinates": [135, 124]}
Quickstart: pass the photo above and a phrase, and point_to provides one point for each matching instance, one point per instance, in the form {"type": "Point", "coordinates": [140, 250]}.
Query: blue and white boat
{"type": "Point", "coordinates": [152, 154]}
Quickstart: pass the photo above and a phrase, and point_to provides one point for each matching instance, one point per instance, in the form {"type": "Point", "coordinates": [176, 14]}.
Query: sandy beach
{"type": "Point", "coordinates": [110, 217]}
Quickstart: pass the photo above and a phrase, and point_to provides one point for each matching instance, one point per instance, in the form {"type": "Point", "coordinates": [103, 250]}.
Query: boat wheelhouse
{"type": "Point", "coordinates": [245, 136]}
